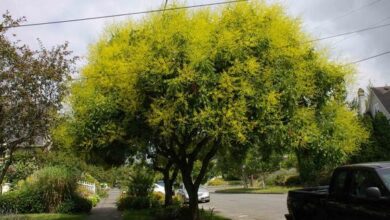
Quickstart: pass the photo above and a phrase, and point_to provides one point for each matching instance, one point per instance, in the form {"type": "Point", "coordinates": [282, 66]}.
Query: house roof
{"type": "Point", "coordinates": [383, 94]}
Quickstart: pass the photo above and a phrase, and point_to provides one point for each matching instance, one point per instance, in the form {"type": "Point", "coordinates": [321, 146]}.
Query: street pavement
{"type": "Point", "coordinates": [248, 206]}
{"type": "Point", "coordinates": [106, 209]}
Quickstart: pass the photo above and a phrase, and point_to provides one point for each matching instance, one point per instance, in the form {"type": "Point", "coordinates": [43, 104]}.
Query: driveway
{"type": "Point", "coordinates": [248, 206]}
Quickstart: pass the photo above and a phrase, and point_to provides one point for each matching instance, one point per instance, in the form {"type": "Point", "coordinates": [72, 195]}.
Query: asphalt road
{"type": "Point", "coordinates": [248, 206]}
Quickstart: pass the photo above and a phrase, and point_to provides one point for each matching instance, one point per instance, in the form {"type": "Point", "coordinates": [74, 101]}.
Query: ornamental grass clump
{"type": "Point", "coordinates": [56, 184]}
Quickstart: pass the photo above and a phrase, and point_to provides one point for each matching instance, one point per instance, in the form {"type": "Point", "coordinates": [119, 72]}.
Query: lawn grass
{"type": "Point", "coordinates": [137, 215]}
{"type": "Point", "coordinates": [267, 190]}
{"type": "Point", "coordinates": [43, 216]}
{"type": "Point", "coordinates": [146, 215]}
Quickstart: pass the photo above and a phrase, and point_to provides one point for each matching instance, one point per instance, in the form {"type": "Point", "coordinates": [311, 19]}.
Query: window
{"type": "Point", "coordinates": [339, 182]}
{"type": "Point", "coordinates": [385, 174]}
{"type": "Point", "coordinates": [361, 180]}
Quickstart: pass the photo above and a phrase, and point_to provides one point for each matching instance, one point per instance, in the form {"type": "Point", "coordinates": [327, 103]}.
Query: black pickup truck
{"type": "Point", "coordinates": [356, 192]}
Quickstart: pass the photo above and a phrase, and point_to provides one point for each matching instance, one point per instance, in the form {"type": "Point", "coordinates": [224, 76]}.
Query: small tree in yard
{"type": "Point", "coordinates": [32, 84]}
{"type": "Point", "coordinates": [197, 83]}
{"type": "Point", "coordinates": [260, 164]}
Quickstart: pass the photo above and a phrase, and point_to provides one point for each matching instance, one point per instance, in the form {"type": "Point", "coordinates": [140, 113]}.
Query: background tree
{"type": "Point", "coordinates": [324, 138]}
{"type": "Point", "coordinates": [377, 147]}
{"type": "Point", "coordinates": [258, 165]}
{"type": "Point", "coordinates": [207, 81]}
{"type": "Point", "coordinates": [32, 84]}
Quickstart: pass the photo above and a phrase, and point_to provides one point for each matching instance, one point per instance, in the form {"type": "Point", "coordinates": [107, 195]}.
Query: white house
{"type": "Point", "coordinates": [378, 100]}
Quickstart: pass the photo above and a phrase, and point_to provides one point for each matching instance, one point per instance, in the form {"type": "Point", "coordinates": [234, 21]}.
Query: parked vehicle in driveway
{"type": "Point", "coordinates": [356, 192]}
{"type": "Point", "coordinates": [203, 194]}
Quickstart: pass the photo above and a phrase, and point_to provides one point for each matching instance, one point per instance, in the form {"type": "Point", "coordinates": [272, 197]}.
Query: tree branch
{"type": "Point", "coordinates": [205, 164]}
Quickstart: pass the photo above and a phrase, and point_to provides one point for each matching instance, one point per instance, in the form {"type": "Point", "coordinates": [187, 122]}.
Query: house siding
{"type": "Point", "coordinates": [377, 106]}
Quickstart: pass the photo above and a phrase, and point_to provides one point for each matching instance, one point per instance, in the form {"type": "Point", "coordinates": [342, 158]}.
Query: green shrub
{"type": "Point", "coordinates": [141, 203]}
{"type": "Point", "coordinates": [216, 182]}
{"type": "Point", "coordinates": [103, 193]}
{"type": "Point", "coordinates": [293, 180]}
{"type": "Point", "coordinates": [76, 204]}
{"type": "Point", "coordinates": [124, 202]}
{"type": "Point", "coordinates": [95, 199]}
{"type": "Point", "coordinates": [82, 205]}
{"type": "Point", "coordinates": [131, 202]}
{"type": "Point", "coordinates": [158, 198]}
{"type": "Point", "coordinates": [22, 201]}
{"type": "Point", "coordinates": [24, 164]}
{"type": "Point", "coordinates": [141, 183]}
{"type": "Point", "coordinates": [66, 206]}
{"type": "Point", "coordinates": [280, 177]}
{"type": "Point", "coordinates": [51, 189]}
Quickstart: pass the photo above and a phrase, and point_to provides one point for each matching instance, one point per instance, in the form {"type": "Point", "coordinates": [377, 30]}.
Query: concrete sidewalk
{"type": "Point", "coordinates": [106, 209]}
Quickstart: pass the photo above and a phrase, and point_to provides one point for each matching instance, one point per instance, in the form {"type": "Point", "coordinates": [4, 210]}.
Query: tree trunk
{"type": "Point", "coordinates": [194, 204]}
{"type": "Point", "coordinates": [168, 186]}
{"type": "Point", "coordinates": [168, 190]}
{"type": "Point", "coordinates": [245, 180]}
{"type": "Point", "coordinates": [192, 191]}
{"type": "Point", "coordinates": [262, 180]}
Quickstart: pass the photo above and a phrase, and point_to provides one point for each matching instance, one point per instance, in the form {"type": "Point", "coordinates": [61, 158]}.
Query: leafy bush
{"type": "Point", "coordinates": [76, 204]}
{"type": "Point", "coordinates": [66, 206]}
{"type": "Point", "coordinates": [141, 183]}
{"type": "Point", "coordinates": [22, 201]}
{"type": "Point", "coordinates": [216, 182]}
{"type": "Point", "coordinates": [51, 189]}
{"type": "Point", "coordinates": [95, 199]}
{"type": "Point", "coordinates": [293, 180]}
{"type": "Point", "coordinates": [103, 193]}
{"type": "Point", "coordinates": [126, 202]}
{"type": "Point", "coordinates": [130, 202]}
{"type": "Point", "coordinates": [158, 197]}
{"type": "Point", "coordinates": [82, 205]}
{"type": "Point", "coordinates": [280, 177]}
{"type": "Point", "coordinates": [24, 164]}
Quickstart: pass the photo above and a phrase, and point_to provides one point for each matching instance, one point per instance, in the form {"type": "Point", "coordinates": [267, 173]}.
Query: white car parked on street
{"type": "Point", "coordinates": [159, 187]}
{"type": "Point", "coordinates": [203, 194]}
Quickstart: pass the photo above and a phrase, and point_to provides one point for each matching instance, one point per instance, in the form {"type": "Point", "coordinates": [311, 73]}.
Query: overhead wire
{"type": "Point", "coordinates": [315, 40]}
{"type": "Point", "coordinates": [350, 12]}
{"type": "Point", "coordinates": [348, 37]}
{"type": "Point", "coordinates": [368, 58]}
{"type": "Point", "coordinates": [122, 15]}
{"type": "Point", "coordinates": [204, 5]}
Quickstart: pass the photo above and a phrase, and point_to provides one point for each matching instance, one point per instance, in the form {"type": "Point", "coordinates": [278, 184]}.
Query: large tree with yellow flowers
{"type": "Point", "coordinates": [188, 84]}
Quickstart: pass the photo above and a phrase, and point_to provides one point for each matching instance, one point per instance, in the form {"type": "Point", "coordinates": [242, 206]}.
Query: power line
{"type": "Point", "coordinates": [337, 35]}
{"type": "Point", "coordinates": [351, 12]}
{"type": "Point", "coordinates": [348, 33]}
{"type": "Point", "coordinates": [188, 7]}
{"type": "Point", "coordinates": [369, 58]}
{"type": "Point", "coordinates": [377, 23]}
{"type": "Point", "coordinates": [124, 14]}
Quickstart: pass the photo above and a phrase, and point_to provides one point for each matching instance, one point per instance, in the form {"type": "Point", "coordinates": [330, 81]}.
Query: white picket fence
{"type": "Point", "coordinates": [88, 186]}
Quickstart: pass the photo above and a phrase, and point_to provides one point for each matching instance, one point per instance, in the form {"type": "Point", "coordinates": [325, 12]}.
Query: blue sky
{"type": "Point", "coordinates": [319, 17]}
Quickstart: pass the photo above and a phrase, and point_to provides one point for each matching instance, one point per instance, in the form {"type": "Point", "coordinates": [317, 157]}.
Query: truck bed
{"type": "Point", "coordinates": [305, 203]}
{"type": "Point", "coordinates": [311, 192]}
